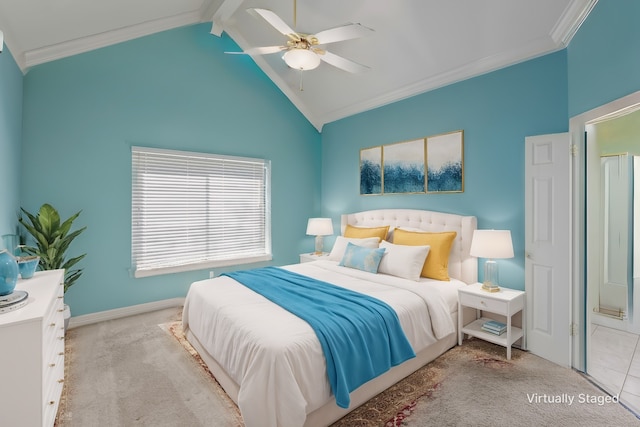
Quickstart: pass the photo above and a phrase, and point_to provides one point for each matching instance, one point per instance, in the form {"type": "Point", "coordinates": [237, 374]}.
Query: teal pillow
{"type": "Point", "coordinates": [365, 259]}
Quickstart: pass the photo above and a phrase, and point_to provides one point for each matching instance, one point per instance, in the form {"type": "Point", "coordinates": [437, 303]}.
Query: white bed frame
{"type": "Point", "coordinates": [462, 266]}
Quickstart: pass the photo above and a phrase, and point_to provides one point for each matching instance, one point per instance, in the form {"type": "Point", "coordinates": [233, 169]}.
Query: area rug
{"type": "Point", "coordinates": [474, 385]}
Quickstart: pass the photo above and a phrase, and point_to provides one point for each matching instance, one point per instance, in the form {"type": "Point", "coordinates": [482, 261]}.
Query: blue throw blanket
{"type": "Point", "coordinates": [360, 335]}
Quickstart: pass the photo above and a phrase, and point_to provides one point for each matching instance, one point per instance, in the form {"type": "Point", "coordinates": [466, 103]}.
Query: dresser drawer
{"type": "Point", "coordinates": [33, 348]}
{"type": "Point", "coordinates": [483, 303]}
{"type": "Point", "coordinates": [51, 400]}
{"type": "Point", "coordinates": [53, 331]}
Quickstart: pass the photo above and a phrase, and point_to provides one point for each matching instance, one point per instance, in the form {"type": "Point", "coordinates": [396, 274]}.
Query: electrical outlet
{"type": "Point", "coordinates": [211, 274]}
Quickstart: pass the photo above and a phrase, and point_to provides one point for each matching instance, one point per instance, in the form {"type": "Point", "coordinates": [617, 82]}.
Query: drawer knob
{"type": "Point", "coordinates": [61, 353]}
{"type": "Point", "coordinates": [52, 402]}
{"type": "Point", "coordinates": [51, 365]}
{"type": "Point", "coordinates": [60, 297]}
{"type": "Point", "coordinates": [482, 302]}
{"type": "Point", "coordinates": [52, 324]}
{"type": "Point", "coordinates": [60, 310]}
{"type": "Point", "coordinates": [60, 338]}
{"type": "Point", "coordinates": [61, 380]}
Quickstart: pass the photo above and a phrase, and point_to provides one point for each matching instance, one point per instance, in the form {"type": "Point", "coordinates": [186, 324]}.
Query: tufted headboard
{"type": "Point", "coordinates": [462, 266]}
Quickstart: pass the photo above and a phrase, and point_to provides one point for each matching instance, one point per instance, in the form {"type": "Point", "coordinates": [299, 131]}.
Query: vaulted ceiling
{"type": "Point", "coordinates": [415, 45]}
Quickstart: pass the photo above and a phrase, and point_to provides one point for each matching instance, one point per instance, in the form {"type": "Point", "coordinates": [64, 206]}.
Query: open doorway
{"type": "Point", "coordinates": [606, 302]}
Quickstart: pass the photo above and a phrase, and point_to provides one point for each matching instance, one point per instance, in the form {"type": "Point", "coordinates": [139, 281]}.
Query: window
{"type": "Point", "coordinates": [192, 211]}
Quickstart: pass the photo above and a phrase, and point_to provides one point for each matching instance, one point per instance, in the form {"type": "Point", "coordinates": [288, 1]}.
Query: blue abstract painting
{"type": "Point", "coordinates": [445, 163]}
{"type": "Point", "coordinates": [371, 170]}
{"type": "Point", "coordinates": [404, 167]}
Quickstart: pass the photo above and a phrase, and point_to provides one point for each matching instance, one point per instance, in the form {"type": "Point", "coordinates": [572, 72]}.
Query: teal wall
{"type": "Point", "coordinates": [604, 56]}
{"type": "Point", "coordinates": [178, 90]}
{"type": "Point", "coordinates": [496, 111]}
{"type": "Point", "coordinates": [10, 142]}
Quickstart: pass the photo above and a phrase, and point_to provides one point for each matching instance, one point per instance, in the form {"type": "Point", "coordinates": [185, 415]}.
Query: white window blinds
{"type": "Point", "coordinates": [193, 211]}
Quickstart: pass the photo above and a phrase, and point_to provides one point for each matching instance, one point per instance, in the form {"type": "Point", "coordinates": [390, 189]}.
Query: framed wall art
{"type": "Point", "coordinates": [445, 163]}
{"type": "Point", "coordinates": [404, 167]}
{"type": "Point", "coordinates": [371, 170]}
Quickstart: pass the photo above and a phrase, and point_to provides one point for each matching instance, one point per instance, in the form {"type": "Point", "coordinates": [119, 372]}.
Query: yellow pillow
{"type": "Point", "coordinates": [437, 264]}
{"type": "Point", "coordinates": [364, 232]}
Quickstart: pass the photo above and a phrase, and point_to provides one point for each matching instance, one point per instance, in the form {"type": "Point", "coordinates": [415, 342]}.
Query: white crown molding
{"type": "Point", "coordinates": [536, 48]}
{"type": "Point", "coordinates": [571, 20]}
{"type": "Point", "coordinates": [482, 66]}
{"type": "Point", "coordinates": [86, 44]}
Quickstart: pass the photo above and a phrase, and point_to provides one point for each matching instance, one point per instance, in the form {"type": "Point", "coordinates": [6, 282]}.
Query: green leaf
{"type": "Point", "coordinates": [52, 239]}
{"type": "Point", "coordinates": [49, 219]}
{"type": "Point", "coordinates": [73, 261]}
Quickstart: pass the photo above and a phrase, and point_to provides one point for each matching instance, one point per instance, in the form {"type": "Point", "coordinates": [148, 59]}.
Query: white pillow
{"type": "Point", "coordinates": [341, 244]}
{"type": "Point", "coordinates": [402, 260]}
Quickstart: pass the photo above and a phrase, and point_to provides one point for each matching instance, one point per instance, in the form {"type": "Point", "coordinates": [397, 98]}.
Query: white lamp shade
{"type": "Point", "coordinates": [301, 59]}
{"type": "Point", "coordinates": [1, 41]}
{"type": "Point", "coordinates": [319, 227]}
{"type": "Point", "coordinates": [493, 244]}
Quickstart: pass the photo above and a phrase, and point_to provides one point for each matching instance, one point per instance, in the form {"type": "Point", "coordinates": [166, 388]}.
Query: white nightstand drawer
{"type": "Point", "coordinates": [483, 303]}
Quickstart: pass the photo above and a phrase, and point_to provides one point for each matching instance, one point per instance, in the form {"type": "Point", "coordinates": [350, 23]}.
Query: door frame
{"type": "Point", "coordinates": [584, 154]}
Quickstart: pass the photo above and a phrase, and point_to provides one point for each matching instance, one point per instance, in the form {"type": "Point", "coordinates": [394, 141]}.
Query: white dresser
{"type": "Point", "coordinates": [32, 353]}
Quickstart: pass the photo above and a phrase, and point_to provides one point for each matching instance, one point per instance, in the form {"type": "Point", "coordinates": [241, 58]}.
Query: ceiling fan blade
{"type": "Point", "coordinates": [275, 21]}
{"type": "Point", "coordinates": [261, 50]}
{"type": "Point", "coordinates": [347, 32]}
{"type": "Point", "coordinates": [343, 63]}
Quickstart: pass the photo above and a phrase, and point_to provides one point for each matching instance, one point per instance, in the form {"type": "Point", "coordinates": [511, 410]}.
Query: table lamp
{"type": "Point", "coordinates": [319, 227]}
{"type": "Point", "coordinates": [491, 244]}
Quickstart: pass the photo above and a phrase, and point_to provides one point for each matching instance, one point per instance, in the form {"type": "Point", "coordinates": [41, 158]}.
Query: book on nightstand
{"type": "Point", "coordinates": [494, 327]}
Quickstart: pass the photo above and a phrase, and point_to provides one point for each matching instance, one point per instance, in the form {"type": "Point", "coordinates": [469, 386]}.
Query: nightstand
{"type": "Point", "coordinates": [506, 302]}
{"type": "Point", "coordinates": [308, 257]}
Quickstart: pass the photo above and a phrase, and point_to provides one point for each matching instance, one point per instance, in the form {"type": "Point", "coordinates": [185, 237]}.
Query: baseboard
{"type": "Point", "coordinates": [101, 316]}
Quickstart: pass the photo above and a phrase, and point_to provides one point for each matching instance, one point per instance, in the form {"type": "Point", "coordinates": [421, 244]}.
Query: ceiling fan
{"type": "Point", "coordinates": [302, 51]}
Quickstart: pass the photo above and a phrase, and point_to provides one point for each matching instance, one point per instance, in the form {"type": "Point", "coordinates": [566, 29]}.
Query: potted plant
{"type": "Point", "coordinates": [52, 238]}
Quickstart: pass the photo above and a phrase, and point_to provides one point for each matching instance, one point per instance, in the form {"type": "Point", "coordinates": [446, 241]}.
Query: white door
{"type": "Point", "coordinates": [548, 246]}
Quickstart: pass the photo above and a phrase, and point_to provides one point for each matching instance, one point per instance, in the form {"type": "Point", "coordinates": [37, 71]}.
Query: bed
{"type": "Point", "coordinates": [271, 363]}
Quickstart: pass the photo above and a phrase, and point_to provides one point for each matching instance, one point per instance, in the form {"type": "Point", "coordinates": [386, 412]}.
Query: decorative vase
{"type": "Point", "coordinates": [8, 272]}
{"type": "Point", "coordinates": [27, 265]}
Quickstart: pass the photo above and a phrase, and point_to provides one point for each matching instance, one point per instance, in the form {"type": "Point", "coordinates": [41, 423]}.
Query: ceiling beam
{"type": "Point", "coordinates": [222, 14]}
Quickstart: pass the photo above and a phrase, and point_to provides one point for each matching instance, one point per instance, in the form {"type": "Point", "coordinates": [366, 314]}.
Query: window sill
{"type": "Point", "coordinates": [200, 266]}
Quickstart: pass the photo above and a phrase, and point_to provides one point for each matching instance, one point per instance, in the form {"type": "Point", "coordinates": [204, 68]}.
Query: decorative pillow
{"type": "Point", "coordinates": [340, 245]}
{"type": "Point", "coordinates": [437, 263]}
{"type": "Point", "coordinates": [363, 232]}
{"type": "Point", "coordinates": [402, 260]}
{"type": "Point", "coordinates": [365, 259]}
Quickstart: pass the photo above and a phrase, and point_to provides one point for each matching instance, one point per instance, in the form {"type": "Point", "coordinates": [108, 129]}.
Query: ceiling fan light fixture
{"type": "Point", "coordinates": [301, 59]}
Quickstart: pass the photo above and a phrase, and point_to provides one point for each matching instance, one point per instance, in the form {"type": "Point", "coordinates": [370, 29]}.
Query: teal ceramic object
{"type": "Point", "coordinates": [8, 272]}
{"type": "Point", "coordinates": [27, 266]}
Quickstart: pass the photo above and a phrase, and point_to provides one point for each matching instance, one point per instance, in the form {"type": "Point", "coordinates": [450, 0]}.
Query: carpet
{"type": "Point", "coordinates": [129, 372]}
{"type": "Point", "coordinates": [474, 385]}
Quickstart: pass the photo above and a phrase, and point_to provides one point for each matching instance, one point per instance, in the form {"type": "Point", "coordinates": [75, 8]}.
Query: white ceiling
{"type": "Point", "coordinates": [416, 46]}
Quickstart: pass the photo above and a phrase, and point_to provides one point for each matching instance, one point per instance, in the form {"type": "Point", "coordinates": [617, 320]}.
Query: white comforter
{"type": "Point", "coordinates": [276, 358]}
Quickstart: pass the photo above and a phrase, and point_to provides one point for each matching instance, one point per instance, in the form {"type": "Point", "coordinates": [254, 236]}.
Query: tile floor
{"type": "Point", "coordinates": [615, 363]}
